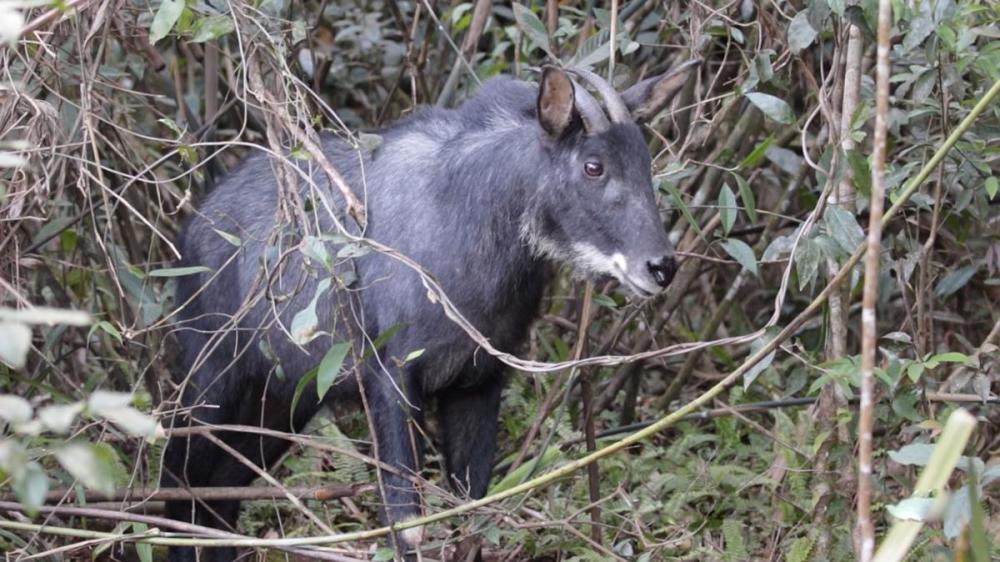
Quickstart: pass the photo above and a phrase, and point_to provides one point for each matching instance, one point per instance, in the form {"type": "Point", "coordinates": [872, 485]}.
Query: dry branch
{"type": "Point", "coordinates": [869, 329]}
{"type": "Point", "coordinates": [152, 521]}
{"type": "Point", "coordinates": [141, 495]}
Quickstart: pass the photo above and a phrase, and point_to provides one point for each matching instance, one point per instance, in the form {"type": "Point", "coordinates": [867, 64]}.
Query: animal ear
{"type": "Point", "coordinates": [647, 98]}
{"type": "Point", "coordinates": [555, 101]}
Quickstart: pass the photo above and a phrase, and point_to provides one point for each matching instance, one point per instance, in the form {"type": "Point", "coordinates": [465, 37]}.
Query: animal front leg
{"type": "Point", "coordinates": [469, 420]}
{"type": "Point", "coordinates": [394, 417]}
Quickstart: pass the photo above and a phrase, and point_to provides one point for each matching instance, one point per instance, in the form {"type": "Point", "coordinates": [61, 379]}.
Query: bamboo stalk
{"type": "Point", "coordinates": [933, 479]}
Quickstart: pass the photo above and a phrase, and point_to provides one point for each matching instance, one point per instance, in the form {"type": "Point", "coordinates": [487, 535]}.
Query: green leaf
{"type": "Point", "coordinates": [381, 340]}
{"type": "Point", "coordinates": [751, 375]}
{"type": "Point", "coordinates": [957, 515]}
{"type": "Point", "coordinates": [800, 33]}
{"type": "Point", "coordinates": [780, 246]}
{"type": "Point", "coordinates": [860, 172]}
{"type": "Point", "coordinates": [678, 202]}
{"type": "Point", "coordinates": [727, 208]}
{"type": "Point", "coordinates": [594, 50]}
{"type": "Point", "coordinates": [905, 405]}
{"type": "Point", "coordinates": [913, 454]}
{"type": "Point", "coordinates": [992, 186]}
{"type": "Point", "coordinates": [172, 125]}
{"type": "Point", "coordinates": [103, 400]}
{"type": "Point", "coordinates": [32, 487]}
{"type": "Point", "coordinates": [304, 326]}
{"type": "Point", "coordinates": [843, 228]}
{"type": "Point", "coordinates": [147, 304]}
{"type": "Point", "coordinates": [735, 547]}
{"type": "Point", "coordinates": [605, 301]}
{"type": "Point", "coordinates": [116, 408]}
{"type": "Point", "coordinates": [234, 240]}
{"type": "Point", "coordinates": [370, 142]}
{"type": "Point", "coordinates": [143, 550]}
{"type": "Point", "coordinates": [550, 457]}
{"type": "Point", "coordinates": [107, 328]}
{"type": "Point", "coordinates": [132, 421]}
{"type": "Point", "coordinates": [353, 250]}
{"type": "Point", "coordinates": [14, 409]}
{"type": "Point", "coordinates": [386, 554]}
{"type": "Point", "coordinates": [742, 253]}
{"type": "Point", "coordinates": [59, 418]}
{"type": "Point", "coordinates": [300, 387]}
{"type": "Point", "coordinates": [459, 11]}
{"type": "Point", "coordinates": [747, 197]}
{"type": "Point", "coordinates": [800, 550]}
{"type": "Point", "coordinates": [92, 465]}
{"type": "Point", "coordinates": [313, 248]}
{"type": "Point", "coordinates": [807, 258]}
{"type": "Point", "coordinates": [773, 107]}
{"type": "Point", "coordinates": [533, 27]}
{"type": "Point", "coordinates": [165, 19]}
{"type": "Point", "coordinates": [330, 367]}
{"type": "Point", "coordinates": [977, 526]}
{"type": "Point", "coordinates": [920, 26]}
{"type": "Point", "coordinates": [212, 27]}
{"type": "Point", "coordinates": [954, 281]}
{"type": "Point", "coordinates": [912, 509]}
{"type": "Point", "coordinates": [757, 154]}
{"type": "Point", "coordinates": [15, 341]}
{"type": "Point", "coordinates": [950, 357]}
{"type": "Point", "coordinates": [178, 271]}
{"type": "Point", "coordinates": [413, 355]}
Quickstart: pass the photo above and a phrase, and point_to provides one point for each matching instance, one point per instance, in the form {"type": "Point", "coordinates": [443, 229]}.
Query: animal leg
{"type": "Point", "coordinates": [199, 462]}
{"type": "Point", "coordinates": [469, 421]}
{"type": "Point", "coordinates": [398, 446]}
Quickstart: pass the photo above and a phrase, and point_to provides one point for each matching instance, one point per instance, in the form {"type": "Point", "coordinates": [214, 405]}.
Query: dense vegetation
{"type": "Point", "coordinates": [116, 116]}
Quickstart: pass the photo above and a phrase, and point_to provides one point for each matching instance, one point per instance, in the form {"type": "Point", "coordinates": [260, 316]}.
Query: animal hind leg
{"type": "Point", "coordinates": [218, 467]}
{"type": "Point", "coordinates": [189, 460]}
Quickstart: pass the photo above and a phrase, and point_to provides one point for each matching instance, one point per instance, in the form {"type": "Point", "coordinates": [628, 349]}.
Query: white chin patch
{"type": "Point", "coordinates": [619, 261]}
{"type": "Point", "coordinates": [591, 260]}
{"type": "Point", "coordinates": [412, 536]}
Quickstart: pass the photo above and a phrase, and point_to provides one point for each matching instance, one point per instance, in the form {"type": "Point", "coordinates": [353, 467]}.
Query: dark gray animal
{"type": "Point", "coordinates": [482, 196]}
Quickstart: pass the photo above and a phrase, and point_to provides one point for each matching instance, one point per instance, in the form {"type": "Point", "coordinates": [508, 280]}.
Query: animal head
{"type": "Point", "coordinates": [595, 208]}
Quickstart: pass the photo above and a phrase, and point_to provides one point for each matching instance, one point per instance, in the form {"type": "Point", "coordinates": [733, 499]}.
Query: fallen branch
{"type": "Point", "coordinates": [151, 521]}
{"type": "Point", "coordinates": [242, 493]}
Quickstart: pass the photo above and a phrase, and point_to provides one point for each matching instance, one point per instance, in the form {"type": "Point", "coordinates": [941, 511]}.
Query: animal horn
{"type": "Point", "coordinates": [616, 106]}
{"type": "Point", "coordinates": [594, 120]}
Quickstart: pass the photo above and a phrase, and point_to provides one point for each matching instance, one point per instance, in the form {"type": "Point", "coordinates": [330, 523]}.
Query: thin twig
{"type": "Point", "coordinates": [242, 459]}
{"type": "Point", "coordinates": [587, 394]}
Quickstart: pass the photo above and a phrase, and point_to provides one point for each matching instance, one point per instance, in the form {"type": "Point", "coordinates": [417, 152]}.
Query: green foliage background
{"type": "Point", "coordinates": [114, 115]}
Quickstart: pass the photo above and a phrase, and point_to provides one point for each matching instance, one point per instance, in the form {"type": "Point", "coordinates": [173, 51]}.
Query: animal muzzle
{"type": "Point", "coordinates": [662, 269]}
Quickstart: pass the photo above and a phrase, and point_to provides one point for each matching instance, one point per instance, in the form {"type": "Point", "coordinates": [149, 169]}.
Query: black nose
{"type": "Point", "coordinates": [663, 270]}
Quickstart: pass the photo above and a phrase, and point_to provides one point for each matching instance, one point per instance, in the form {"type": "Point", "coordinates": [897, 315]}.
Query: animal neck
{"type": "Point", "coordinates": [501, 168]}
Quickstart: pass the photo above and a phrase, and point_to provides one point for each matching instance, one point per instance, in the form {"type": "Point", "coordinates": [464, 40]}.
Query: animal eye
{"type": "Point", "coordinates": [593, 169]}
